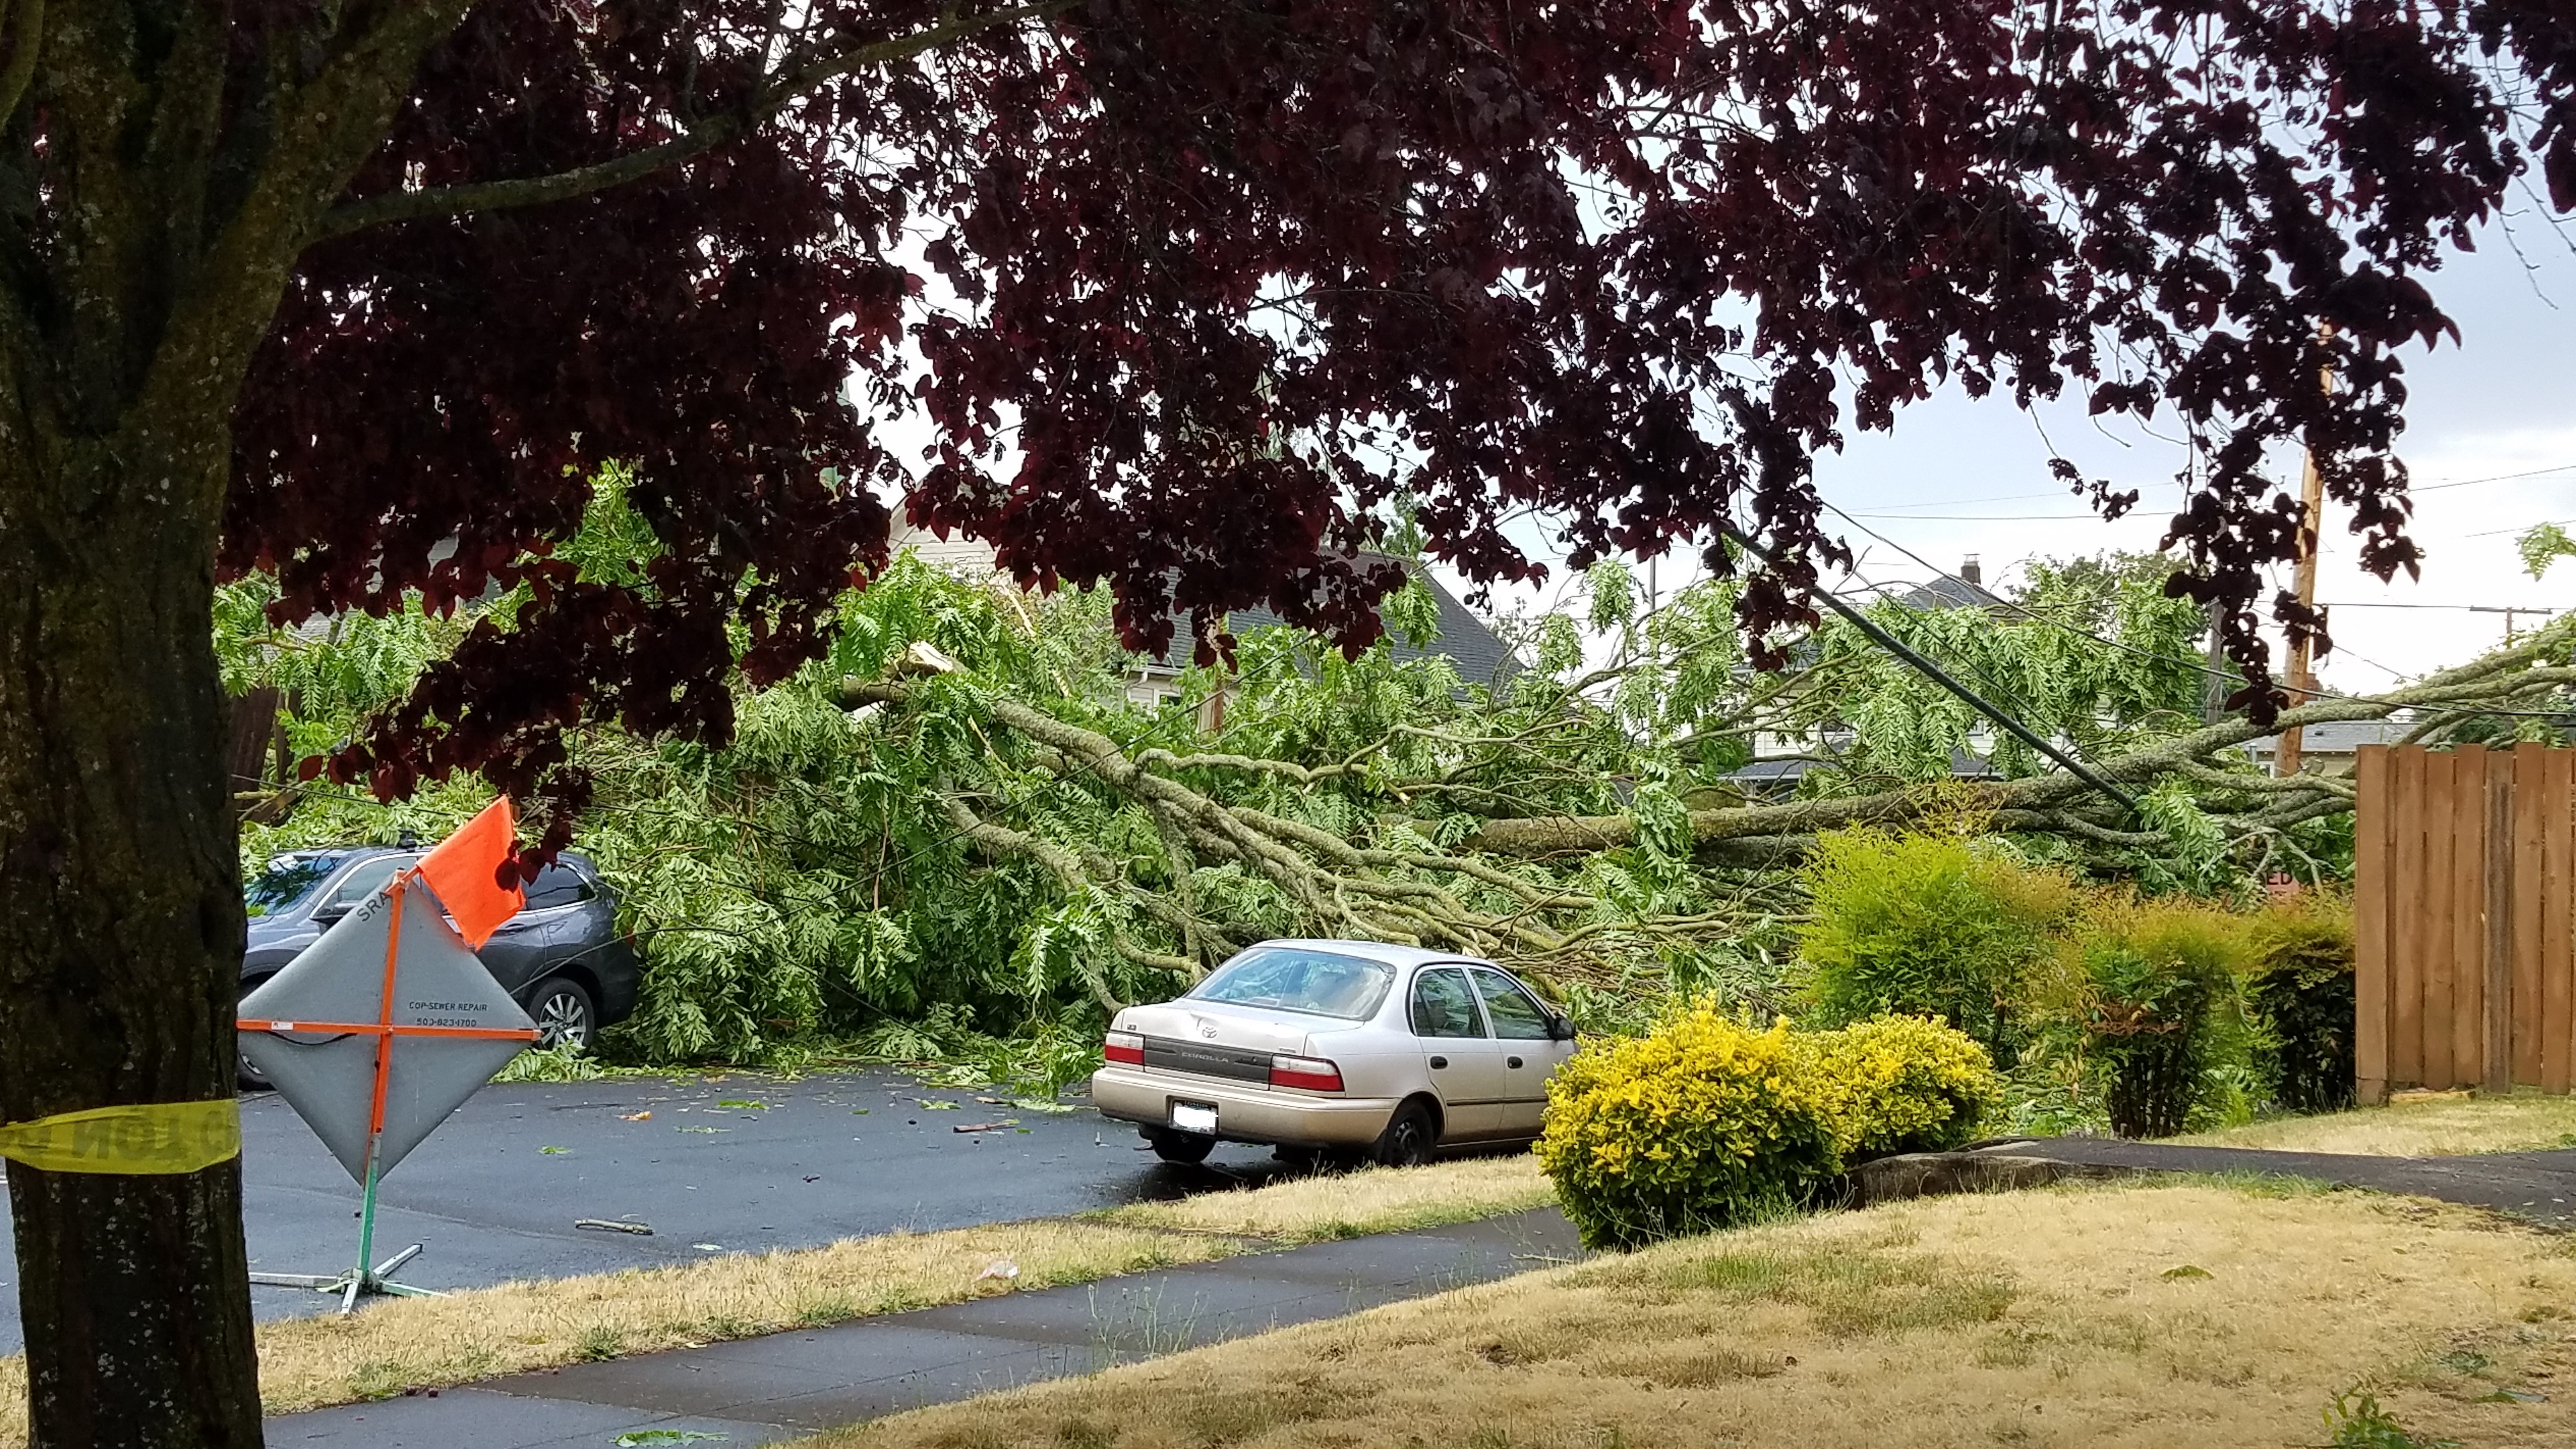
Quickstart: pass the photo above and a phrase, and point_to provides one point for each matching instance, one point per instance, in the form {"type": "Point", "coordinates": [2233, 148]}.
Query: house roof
{"type": "Point", "coordinates": [1479, 656]}
{"type": "Point", "coordinates": [1949, 592]}
{"type": "Point", "coordinates": [2337, 737]}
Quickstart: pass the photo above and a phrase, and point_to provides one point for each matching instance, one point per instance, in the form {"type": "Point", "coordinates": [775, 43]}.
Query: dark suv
{"type": "Point", "coordinates": [562, 957]}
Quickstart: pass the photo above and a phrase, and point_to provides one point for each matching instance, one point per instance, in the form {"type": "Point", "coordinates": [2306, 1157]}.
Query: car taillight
{"type": "Point", "coordinates": [1312, 1073]}
{"type": "Point", "coordinates": [1124, 1046]}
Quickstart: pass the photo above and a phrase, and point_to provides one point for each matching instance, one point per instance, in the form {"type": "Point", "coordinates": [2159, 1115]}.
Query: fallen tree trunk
{"type": "Point", "coordinates": [2061, 802]}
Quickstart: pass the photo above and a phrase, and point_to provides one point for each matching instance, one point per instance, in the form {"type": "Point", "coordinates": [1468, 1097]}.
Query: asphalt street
{"type": "Point", "coordinates": [722, 1164]}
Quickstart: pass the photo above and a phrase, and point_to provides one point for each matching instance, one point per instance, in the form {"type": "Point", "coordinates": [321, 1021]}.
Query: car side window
{"type": "Point", "coordinates": [1515, 1016]}
{"type": "Point", "coordinates": [558, 885]}
{"type": "Point", "coordinates": [364, 879]}
{"type": "Point", "coordinates": [1442, 1006]}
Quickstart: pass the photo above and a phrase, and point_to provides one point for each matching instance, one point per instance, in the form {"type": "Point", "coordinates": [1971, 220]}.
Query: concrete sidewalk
{"type": "Point", "coordinates": [760, 1390]}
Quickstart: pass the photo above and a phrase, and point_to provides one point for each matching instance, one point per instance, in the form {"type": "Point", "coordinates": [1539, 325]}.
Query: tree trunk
{"type": "Point", "coordinates": [121, 927]}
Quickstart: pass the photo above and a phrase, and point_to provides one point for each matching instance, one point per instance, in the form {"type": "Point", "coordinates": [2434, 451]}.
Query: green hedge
{"type": "Point", "coordinates": [1901, 1084]}
{"type": "Point", "coordinates": [1705, 1122]}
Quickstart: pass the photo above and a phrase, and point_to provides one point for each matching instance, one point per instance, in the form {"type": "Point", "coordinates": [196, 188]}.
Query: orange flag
{"type": "Point", "coordinates": [465, 870]}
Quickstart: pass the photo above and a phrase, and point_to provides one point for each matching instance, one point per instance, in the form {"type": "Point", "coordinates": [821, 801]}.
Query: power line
{"type": "Point", "coordinates": [1980, 517]}
{"type": "Point", "coordinates": [2472, 608]}
{"type": "Point", "coordinates": [1890, 510]}
{"type": "Point", "coordinates": [1937, 675]}
{"type": "Point", "coordinates": [2493, 478]}
{"type": "Point", "coordinates": [2193, 664]}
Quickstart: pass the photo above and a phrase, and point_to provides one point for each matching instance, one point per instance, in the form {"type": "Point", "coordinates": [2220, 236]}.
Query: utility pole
{"type": "Point", "coordinates": [2312, 508]}
{"type": "Point", "coordinates": [2213, 697]}
{"type": "Point", "coordinates": [2509, 611]}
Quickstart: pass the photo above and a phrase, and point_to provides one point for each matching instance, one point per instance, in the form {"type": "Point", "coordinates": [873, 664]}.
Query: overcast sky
{"type": "Point", "coordinates": [1961, 477]}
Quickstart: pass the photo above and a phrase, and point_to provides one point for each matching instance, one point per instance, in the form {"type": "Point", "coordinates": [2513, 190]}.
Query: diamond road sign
{"type": "Point", "coordinates": [441, 993]}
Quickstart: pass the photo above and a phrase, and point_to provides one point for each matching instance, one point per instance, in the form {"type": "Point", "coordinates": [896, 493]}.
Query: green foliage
{"type": "Point", "coordinates": [2543, 546]}
{"type": "Point", "coordinates": [1702, 1124]}
{"type": "Point", "coordinates": [2093, 653]}
{"type": "Point", "coordinates": [809, 889]}
{"type": "Point", "coordinates": [1924, 924]}
{"type": "Point", "coordinates": [2299, 998]}
{"type": "Point", "coordinates": [2358, 1422]}
{"type": "Point", "coordinates": [2149, 992]}
{"type": "Point", "coordinates": [1900, 1084]}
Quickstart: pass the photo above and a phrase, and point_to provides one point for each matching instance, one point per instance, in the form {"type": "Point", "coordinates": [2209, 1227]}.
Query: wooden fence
{"type": "Point", "coordinates": [2463, 863]}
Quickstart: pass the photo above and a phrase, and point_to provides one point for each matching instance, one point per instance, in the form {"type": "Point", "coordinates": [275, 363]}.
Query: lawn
{"type": "Point", "coordinates": [2147, 1315]}
{"type": "Point", "coordinates": [2522, 1122]}
{"type": "Point", "coordinates": [399, 1344]}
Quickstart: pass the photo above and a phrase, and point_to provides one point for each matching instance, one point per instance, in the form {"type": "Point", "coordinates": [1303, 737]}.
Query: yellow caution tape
{"type": "Point", "coordinates": [157, 1137]}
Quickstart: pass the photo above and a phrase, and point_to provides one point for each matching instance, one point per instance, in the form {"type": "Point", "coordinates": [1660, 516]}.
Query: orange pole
{"type": "Point", "coordinates": [385, 1017]}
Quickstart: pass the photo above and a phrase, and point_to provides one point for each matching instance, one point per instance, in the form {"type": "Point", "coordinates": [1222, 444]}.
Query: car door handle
{"type": "Point", "coordinates": [1438, 1062]}
{"type": "Point", "coordinates": [1511, 1061]}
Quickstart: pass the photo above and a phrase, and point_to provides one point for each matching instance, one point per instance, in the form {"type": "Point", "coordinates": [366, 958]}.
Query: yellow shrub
{"type": "Point", "coordinates": [1900, 1084]}
{"type": "Point", "coordinates": [1701, 1124]}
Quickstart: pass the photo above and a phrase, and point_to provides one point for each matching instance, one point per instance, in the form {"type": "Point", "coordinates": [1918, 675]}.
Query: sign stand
{"type": "Point", "coordinates": [307, 1078]}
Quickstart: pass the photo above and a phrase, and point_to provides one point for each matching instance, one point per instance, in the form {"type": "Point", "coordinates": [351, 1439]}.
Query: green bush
{"type": "Point", "coordinates": [1900, 1084]}
{"type": "Point", "coordinates": [2153, 995]}
{"type": "Point", "coordinates": [1932, 925]}
{"type": "Point", "coordinates": [1701, 1124]}
{"type": "Point", "coordinates": [2298, 994]}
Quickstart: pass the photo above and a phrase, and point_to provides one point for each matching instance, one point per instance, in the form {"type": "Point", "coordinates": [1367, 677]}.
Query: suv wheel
{"type": "Point", "coordinates": [564, 1015]}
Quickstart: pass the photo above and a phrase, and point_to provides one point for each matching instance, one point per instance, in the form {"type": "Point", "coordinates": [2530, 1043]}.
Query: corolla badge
{"type": "Point", "coordinates": [1208, 1029]}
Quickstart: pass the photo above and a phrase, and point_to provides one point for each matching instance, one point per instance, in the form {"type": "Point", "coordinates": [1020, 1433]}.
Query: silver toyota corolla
{"type": "Point", "coordinates": [1336, 1046]}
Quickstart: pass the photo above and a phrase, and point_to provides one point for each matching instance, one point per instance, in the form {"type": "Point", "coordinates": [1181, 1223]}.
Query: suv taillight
{"type": "Point", "coordinates": [1124, 1046]}
{"type": "Point", "coordinates": [1313, 1074]}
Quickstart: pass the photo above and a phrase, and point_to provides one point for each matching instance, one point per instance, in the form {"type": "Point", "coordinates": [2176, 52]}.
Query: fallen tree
{"type": "Point", "coordinates": [1515, 888]}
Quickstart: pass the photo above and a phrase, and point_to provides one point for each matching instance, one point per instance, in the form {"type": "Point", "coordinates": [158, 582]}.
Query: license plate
{"type": "Point", "coordinates": [1194, 1117]}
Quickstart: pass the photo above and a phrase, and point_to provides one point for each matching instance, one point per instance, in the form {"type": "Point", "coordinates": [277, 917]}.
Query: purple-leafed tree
{"type": "Point", "coordinates": [1191, 298]}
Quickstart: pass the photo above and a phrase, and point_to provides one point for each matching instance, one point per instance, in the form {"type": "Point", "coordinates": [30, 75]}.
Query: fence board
{"type": "Point", "coordinates": [2495, 1020]}
{"type": "Point", "coordinates": [2530, 807]}
{"type": "Point", "coordinates": [2558, 966]}
{"type": "Point", "coordinates": [2404, 909]}
{"type": "Point", "coordinates": [2434, 931]}
{"type": "Point", "coordinates": [2468, 956]}
{"type": "Point", "coordinates": [2371, 983]}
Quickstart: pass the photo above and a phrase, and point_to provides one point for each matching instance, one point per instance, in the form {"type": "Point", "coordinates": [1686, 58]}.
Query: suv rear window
{"type": "Point", "coordinates": [286, 880]}
{"type": "Point", "coordinates": [1292, 978]}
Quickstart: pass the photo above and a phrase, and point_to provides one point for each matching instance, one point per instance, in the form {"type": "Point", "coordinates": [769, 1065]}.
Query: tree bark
{"type": "Point", "coordinates": [121, 927]}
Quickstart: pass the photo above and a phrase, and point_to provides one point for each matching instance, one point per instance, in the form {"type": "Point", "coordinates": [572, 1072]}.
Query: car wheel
{"type": "Point", "coordinates": [1182, 1147]}
{"type": "Point", "coordinates": [564, 1015]}
{"type": "Point", "coordinates": [1408, 1138]}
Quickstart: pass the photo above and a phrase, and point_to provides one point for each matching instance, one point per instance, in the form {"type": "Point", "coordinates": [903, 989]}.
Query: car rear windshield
{"type": "Point", "coordinates": [1292, 978]}
{"type": "Point", "coordinates": [286, 880]}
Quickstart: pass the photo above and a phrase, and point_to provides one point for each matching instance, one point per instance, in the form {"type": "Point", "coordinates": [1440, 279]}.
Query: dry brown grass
{"type": "Point", "coordinates": [405, 1343]}
{"type": "Point", "coordinates": [1346, 1205]}
{"type": "Point", "coordinates": [429, 1342]}
{"type": "Point", "coordinates": [2044, 1318]}
{"type": "Point", "coordinates": [2518, 1123]}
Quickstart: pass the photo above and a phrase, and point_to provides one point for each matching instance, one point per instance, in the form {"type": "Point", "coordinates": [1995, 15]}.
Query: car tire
{"type": "Point", "coordinates": [1185, 1148]}
{"type": "Point", "coordinates": [565, 1014]}
{"type": "Point", "coordinates": [1409, 1137]}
